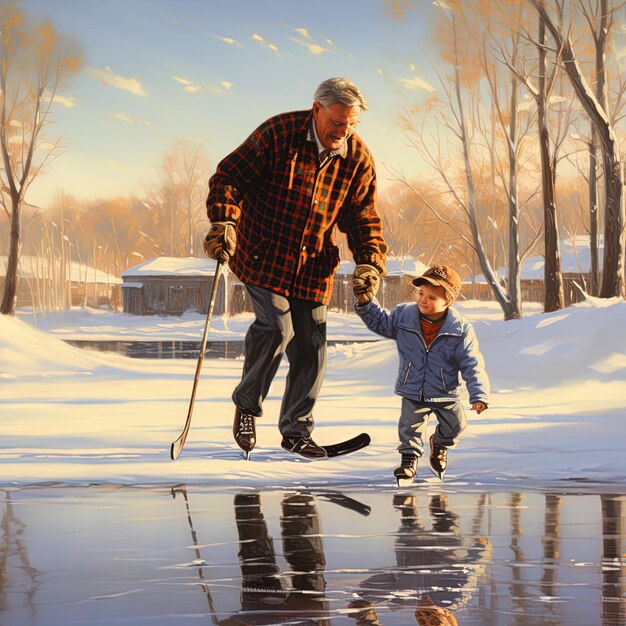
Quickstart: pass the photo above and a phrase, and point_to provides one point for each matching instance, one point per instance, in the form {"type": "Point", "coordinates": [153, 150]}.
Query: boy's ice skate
{"type": "Point", "coordinates": [438, 458]}
{"type": "Point", "coordinates": [405, 473]}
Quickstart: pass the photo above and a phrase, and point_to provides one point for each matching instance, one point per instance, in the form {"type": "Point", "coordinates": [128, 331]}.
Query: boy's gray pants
{"type": "Point", "coordinates": [297, 328]}
{"type": "Point", "coordinates": [414, 418]}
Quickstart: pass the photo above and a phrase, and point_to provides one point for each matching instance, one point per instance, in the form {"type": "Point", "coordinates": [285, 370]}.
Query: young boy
{"type": "Point", "coordinates": [435, 343]}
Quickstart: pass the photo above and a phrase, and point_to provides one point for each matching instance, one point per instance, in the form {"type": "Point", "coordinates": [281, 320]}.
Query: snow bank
{"type": "Point", "coordinates": [24, 352]}
{"type": "Point", "coordinates": [583, 342]}
{"type": "Point", "coordinates": [557, 413]}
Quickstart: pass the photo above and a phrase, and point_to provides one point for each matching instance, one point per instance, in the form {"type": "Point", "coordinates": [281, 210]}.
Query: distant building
{"type": "Point", "coordinates": [41, 282]}
{"type": "Point", "coordinates": [172, 286]}
{"type": "Point", "coordinates": [575, 269]}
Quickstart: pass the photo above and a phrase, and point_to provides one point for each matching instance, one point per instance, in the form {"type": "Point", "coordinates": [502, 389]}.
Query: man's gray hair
{"type": "Point", "coordinates": [340, 90]}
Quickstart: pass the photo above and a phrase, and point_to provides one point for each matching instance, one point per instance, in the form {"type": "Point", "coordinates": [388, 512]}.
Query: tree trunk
{"type": "Point", "coordinates": [601, 35]}
{"type": "Point", "coordinates": [553, 281]}
{"type": "Point", "coordinates": [614, 236]}
{"type": "Point", "coordinates": [613, 266]}
{"type": "Point", "coordinates": [9, 297]}
{"type": "Point", "coordinates": [514, 212]}
{"type": "Point", "coordinates": [593, 213]}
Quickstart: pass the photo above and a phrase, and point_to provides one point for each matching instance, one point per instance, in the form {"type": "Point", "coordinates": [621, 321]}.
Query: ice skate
{"type": "Point", "coordinates": [438, 458]}
{"type": "Point", "coordinates": [304, 446]}
{"type": "Point", "coordinates": [405, 473]}
{"type": "Point", "coordinates": [244, 431]}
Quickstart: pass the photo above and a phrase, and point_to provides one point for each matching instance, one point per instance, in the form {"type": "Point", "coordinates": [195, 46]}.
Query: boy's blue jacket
{"type": "Point", "coordinates": [431, 375]}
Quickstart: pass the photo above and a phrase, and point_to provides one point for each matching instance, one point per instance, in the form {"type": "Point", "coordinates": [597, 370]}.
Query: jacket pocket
{"type": "Point", "coordinates": [404, 374]}
{"type": "Point", "coordinates": [256, 250]}
{"type": "Point", "coordinates": [449, 381]}
{"type": "Point", "coordinates": [443, 380]}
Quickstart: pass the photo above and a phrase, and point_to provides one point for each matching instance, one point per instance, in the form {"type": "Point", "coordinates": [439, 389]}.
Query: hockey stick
{"type": "Point", "coordinates": [177, 446]}
{"type": "Point", "coordinates": [203, 583]}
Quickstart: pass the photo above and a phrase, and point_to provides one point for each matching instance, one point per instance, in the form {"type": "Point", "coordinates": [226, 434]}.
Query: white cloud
{"type": "Point", "coordinates": [191, 87]}
{"type": "Point", "coordinates": [273, 47]}
{"type": "Point", "coordinates": [308, 42]}
{"type": "Point", "coordinates": [312, 47]}
{"type": "Point", "coordinates": [123, 117]}
{"type": "Point", "coordinates": [227, 40]}
{"type": "Point", "coordinates": [110, 78]}
{"type": "Point", "coordinates": [66, 101]}
{"type": "Point", "coordinates": [417, 84]}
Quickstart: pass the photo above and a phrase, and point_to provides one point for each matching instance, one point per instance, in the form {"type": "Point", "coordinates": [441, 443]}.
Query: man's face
{"type": "Point", "coordinates": [335, 123]}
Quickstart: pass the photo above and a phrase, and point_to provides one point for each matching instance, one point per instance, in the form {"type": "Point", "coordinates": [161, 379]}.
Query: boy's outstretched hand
{"type": "Point", "coordinates": [479, 407]}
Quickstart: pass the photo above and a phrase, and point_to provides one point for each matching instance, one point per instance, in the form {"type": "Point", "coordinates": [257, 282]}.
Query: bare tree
{"type": "Point", "coordinates": [553, 280]}
{"type": "Point", "coordinates": [34, 61]}
{"type": "Point", "coordinates": [613, 265]}
{"type": "Point", "coordinates": [461, 119]}
{"type": "Point", "coordinates": [515, 126]}
{"type": "Point", "coordinates": [600, 18]}
{"type": "Point", "coordinates": [177, 202]}
{"type": "Point", "coordinates": [194, 169]}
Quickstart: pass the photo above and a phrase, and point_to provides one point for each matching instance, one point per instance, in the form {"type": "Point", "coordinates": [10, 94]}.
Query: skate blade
{"type": "Point", "coordinates": [246, 455]}
{"type": "Point", "coordinates": [437, 474]}
{"type": "Point", "coordinates": [405, 482]}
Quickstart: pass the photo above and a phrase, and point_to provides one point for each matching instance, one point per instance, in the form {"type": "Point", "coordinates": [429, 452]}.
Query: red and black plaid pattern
{"type": "Point", "coordinates": [286, 205]}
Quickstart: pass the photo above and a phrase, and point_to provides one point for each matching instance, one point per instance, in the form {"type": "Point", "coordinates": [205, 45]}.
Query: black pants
{"type": "Point", "coordinates": [284, 326]}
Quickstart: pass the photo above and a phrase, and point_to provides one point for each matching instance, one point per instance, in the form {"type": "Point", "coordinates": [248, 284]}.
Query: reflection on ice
{"type": "Point", "coordinates": [119, 555]}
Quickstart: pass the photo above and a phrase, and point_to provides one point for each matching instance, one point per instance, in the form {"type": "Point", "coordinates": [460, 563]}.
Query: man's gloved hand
{"type": "Point", "coordinates": [365, 282]}
{"type": "Point", "coordinates": [221, 241]}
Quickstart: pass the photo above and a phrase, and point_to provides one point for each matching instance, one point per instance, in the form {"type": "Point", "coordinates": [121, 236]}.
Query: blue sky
{"type": "Point", "coordinates": [158, 71]}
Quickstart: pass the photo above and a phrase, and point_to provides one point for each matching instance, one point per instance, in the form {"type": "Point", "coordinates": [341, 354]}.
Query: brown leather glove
{"type": "Point", "coordinates": [221, 241]}
{"type": "Point", "coordinates": [365, 282]}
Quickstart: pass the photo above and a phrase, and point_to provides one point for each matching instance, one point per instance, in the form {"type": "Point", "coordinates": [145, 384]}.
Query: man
{"type": "Point", "coordinates": [273, 204]}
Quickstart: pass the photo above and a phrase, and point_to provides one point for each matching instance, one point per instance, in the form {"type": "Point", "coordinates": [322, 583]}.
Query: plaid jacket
{"type": "Point", "coordinates": [285, 205]}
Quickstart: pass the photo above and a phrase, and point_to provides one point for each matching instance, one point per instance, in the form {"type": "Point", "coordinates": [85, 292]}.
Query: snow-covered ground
{"type": "Point", "coordinates": [74, 416]}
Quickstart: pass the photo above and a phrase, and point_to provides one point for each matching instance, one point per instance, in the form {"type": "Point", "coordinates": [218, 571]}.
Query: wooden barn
{"type": "Point", "coordinates": [575, 270]}
{"type": "Point", "coordinates": [172, 286]}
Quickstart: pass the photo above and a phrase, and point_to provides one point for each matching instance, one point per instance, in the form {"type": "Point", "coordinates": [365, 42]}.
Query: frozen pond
{"type": "Point", "coordinates": [231, 349]}
{"type": "Point", "coordinates": [111, 555]}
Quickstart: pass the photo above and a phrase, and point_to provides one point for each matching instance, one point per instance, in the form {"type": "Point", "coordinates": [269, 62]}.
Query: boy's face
{"type": "Point", "coordinates": [432, 301]}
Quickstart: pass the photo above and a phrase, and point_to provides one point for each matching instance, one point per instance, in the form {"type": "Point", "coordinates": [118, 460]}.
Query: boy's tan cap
{"type": "Point", "coordinates": [440, 276]}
